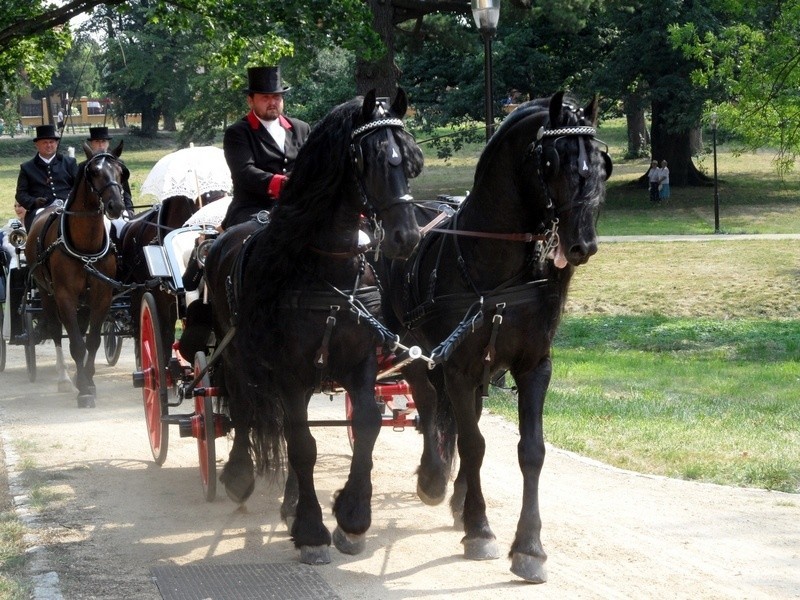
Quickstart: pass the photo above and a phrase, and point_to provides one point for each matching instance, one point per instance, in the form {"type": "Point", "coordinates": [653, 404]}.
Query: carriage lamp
{"type": "Point", "coordinates": [486, 14]}
{"type": "Point", "coordinates": [716, 187]}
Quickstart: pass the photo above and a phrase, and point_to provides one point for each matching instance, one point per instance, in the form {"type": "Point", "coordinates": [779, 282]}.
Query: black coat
{"type": "Point", "coordinates": [253, 158]}
{"type": "Point", "coordinates": [37, 179]}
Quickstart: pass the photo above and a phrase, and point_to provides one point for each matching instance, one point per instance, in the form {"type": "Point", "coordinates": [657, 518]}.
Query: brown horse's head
{"type": "Point", "coordinates": [102, 176]}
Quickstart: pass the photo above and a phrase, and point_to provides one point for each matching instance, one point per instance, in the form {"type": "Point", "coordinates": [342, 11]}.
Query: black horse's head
{"type": "Point", "coordinates": [573, 171]}
{"type": "Point", "coordinates": [558, 173]}
{"type": "Point", "coordinates": [103, 173]}
{"type": "Point", "coordinates": [384, 156]}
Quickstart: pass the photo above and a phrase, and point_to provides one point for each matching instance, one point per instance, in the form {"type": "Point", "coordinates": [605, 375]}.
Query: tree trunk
{"type": "Point", "coordinates": [383, 74]}
{"type": "Point", "coordinates": [169, 122]}
{"type": "Point", "coordinates": [674, 147]}
{"type": "Point", "coordinates": [150, 118]}
{"type": "Point", "coordinates": [638, 135]}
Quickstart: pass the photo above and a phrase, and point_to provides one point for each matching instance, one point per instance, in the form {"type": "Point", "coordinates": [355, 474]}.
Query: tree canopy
{"type": "Point", "coordinates": [678, 60]}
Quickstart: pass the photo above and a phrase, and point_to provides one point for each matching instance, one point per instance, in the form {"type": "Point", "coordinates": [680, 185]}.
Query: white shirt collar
{"type": "Point", "coordinates": [47, 161]}
{"type": "Point", "coordinates": [275, 129]}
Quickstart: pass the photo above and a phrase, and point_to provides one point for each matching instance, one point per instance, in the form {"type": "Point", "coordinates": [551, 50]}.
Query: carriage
{"type": "Point", "coordinates": [184, 391]}
{"type": "Point", "coordinates": [484, 292]}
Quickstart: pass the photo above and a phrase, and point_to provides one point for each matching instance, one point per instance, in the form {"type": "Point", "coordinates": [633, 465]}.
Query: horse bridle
{"type": "Point", "coordinates": [99, 193]}
{"type": "Point", "coordinates": [357, 159]}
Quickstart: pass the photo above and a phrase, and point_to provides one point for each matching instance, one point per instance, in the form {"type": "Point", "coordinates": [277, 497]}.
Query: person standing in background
{"type": "Point", "coordinates": [653, 177]}
{"type": "Point", "coordinates": [663, 191]}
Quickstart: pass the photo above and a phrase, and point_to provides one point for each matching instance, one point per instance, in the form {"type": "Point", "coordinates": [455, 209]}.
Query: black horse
{"type": "Point", "coordinates": [485, 292]}
{"type": "Point", "coordinates": [304, 308]}
{"type": "Point", "coordinates": [71, 260]}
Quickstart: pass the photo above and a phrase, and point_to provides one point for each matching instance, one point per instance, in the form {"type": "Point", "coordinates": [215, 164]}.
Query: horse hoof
{"type": "Point", "coordinates": [480, 549]}
{"type": "Point", "coordinates": [315, 555]}
{"type": "Point", "coordinates": [530, 568]}
{"type": "Point", "coordinates": [429, 500]}
{"type": "Point", "coordinates": [239, 488]}
{"type": "Point", "coordinates": [348, 543]}
{"type": "Point", "coordinates": [289, 520]}
{"type": "Point", "coordinates": [85, 401]}
{"type": "Point", "coordinates": [65, 386]}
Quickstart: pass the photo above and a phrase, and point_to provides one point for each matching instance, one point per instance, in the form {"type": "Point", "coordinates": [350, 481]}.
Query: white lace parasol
{"type": "Point", "coordinates": [211, 214]}
{"type": "Point", "coordinates": [189, 172]}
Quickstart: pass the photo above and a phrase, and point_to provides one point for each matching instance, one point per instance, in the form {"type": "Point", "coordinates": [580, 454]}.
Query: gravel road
{"type": "Point", "coordinates": [112, 515]}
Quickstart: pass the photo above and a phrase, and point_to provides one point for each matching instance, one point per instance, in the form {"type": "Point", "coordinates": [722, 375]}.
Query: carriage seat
{"type": "Point", "coordinates": [183, 246]}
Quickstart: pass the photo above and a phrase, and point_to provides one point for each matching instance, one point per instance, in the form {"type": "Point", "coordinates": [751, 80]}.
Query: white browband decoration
{"type": "Point", "coordinates": [375, 125]}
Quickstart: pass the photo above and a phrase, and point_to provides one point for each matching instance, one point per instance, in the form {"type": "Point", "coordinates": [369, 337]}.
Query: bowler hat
{"type": "Point", "coordinates": [98, 133]}
{"type": "Point", "coordinates": [45, 132]}
{"type": "Point", "coordinates": [265, 80]}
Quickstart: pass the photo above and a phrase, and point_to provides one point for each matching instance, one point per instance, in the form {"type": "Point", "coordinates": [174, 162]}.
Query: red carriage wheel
{"type": "Point", "coordinates": [204, 429]}
{"type": "Point", "coordinates": [154, 389]}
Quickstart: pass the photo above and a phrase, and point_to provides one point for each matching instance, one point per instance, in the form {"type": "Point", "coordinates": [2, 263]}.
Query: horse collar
{"type": "Point", "coordinates": [63, 240]}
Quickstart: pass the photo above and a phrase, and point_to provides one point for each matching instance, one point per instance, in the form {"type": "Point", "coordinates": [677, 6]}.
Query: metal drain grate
{"type": "Point", "coordinates": [289, 581]}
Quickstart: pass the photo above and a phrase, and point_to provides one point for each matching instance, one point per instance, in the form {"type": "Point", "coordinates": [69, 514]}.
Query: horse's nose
{"type": "Point", "coordinates": [583, 251]}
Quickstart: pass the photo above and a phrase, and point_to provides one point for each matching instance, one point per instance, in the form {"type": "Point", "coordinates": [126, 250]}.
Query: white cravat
{"type": "Point", "coordinates": [277, 132]}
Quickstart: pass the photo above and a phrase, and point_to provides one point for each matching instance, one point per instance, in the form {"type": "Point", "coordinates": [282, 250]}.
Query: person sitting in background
{"type": "Point", "coordinates": [47, 177]}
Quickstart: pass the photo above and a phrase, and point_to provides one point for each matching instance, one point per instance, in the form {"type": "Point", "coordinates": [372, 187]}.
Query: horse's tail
{"type": "Point", "coordinates": [444, 421]}
{"type": "Point", "coordinates": [267, 435]}
{"type": "Point", "coordinates": [255, 404]}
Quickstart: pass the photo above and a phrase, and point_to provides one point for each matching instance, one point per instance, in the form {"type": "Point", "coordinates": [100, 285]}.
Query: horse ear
{"type": "Point", "coordinates": [556, 102]}
{"type": "Point", "coordinates": [400, 104]}
{"type": "Point", "coordinates": [591, 109]}
{"type": "Point", "coordinates": [88, 150]}
{"type": "Point", "coordinates": [368, 107]}
{"type": "Point", "coordinates": [118, 150]}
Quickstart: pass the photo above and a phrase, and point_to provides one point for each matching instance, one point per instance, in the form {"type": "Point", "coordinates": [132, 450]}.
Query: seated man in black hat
{"type": "Point", "coordinates": [47, 177]}
{"type": "Point", "coordinates": [99, 141]}
{"type": "Point", "coordinates": [261, 148]}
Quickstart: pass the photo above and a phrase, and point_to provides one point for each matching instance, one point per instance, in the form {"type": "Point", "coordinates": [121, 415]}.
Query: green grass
{"type": "Point", "coordinates": [13, 575]}
{"type": "Point", "coordinates": [682, 359]}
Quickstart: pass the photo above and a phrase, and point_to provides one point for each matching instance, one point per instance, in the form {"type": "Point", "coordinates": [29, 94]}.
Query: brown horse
{"type": "Point", "coordinates": [66, 248]}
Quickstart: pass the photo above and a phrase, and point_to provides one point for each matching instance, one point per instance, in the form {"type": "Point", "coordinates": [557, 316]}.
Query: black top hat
{"type": "Point", "coordinates": [98, 133]}
{"type": "Point", "coordinates": [265, 80]}
{"type": "Point", "coordinates": [45, 132]}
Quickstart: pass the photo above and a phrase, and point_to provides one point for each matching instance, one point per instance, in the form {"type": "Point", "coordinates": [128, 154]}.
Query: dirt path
{"type": "Point", "coordinates": [608, 533]}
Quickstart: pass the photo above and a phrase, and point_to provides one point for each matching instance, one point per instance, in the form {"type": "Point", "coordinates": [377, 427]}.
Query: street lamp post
{"type": "Point", "coordinates": [716, 186]}
{"type": "Point", "coordinates": [486, 14]}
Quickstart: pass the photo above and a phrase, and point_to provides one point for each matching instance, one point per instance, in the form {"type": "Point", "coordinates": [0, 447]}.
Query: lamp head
{"type": "Point", "coordinates": [713, 120]}
{"type": "Point", "coordinates": [486, 14]}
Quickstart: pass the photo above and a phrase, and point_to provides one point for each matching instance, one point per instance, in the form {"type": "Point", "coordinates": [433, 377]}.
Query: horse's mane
{"type": "Point", "coordinates": [321, 180]}
{"type": "Point", "coordinates": [535, 107]}
{"type": "Point", "coordinates": [78, 178]}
